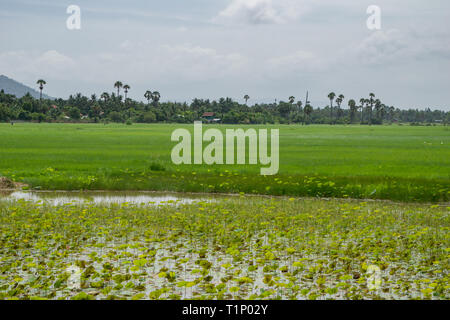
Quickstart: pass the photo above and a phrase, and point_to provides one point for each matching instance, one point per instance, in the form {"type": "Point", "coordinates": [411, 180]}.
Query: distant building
{"type": "Point", "coordinates": [209, 117]}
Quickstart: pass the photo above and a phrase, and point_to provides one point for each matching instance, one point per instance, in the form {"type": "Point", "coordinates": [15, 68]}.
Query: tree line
{"type": "Point", "coordinates": [118, 107]}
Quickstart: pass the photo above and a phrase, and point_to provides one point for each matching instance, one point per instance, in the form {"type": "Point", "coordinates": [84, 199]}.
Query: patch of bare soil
{"type": "Point", "coordinates": [8, 184]}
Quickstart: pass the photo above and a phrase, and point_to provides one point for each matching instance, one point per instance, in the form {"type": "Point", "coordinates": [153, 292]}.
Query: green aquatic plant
{"type": "Point", "coordinates": [234, 248]}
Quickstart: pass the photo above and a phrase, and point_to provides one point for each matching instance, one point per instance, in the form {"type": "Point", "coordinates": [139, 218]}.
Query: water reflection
{"type": "Point", "coordinates": [105, 197]}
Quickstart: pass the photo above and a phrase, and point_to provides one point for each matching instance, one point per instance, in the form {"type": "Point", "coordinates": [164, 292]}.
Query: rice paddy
{"type": "Point", "coordinates": [310, 232]}
{"type": "Point", "coordinates": [400, 163]}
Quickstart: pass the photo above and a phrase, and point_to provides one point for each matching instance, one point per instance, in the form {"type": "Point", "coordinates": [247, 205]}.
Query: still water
{"type": "Point", "coordinates": [105, 197]}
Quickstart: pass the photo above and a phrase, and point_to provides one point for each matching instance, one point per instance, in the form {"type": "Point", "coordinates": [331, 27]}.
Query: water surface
{"type": "Point", "coordinates": [105, 197]}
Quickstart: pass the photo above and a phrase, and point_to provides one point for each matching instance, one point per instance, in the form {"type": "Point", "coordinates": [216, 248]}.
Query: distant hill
{"type": "Point", "coordinates": [18, 89]}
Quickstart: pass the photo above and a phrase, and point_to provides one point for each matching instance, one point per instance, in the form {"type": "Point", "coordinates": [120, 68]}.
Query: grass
{"type": "Point", "coordinates": [238, 248]}
{"type": "Point", "coordinates": [402, 163]}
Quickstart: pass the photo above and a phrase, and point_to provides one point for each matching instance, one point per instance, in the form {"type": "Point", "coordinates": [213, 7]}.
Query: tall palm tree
{"type": "Point", "coordinates": [370, 103]}
{"type": "Point", "coordinates": [118, 85]}
{"type": "Point", "coordinates": [125, 89]}
{"type": "Point", "coordinates": [362, 101]}
{"type": "Point", "coordinates": [308, 110]}
{"type": "Point", "coordinates": [331, 96]}
{"type": "Point", "coordinates": [383, 112]}
{"type": "Point", "coordinates": [155, 97]}
{"type": "Point", "coordinates": [339, 101]}
{"type": "Point", "coordinates": [378, 107]}
{"type": "Point", "coordinates": [41, 84]}
{"type": "Point", "coordinates": [291, 99]}
{"type": "Point", "coordinates": [391, 113]}
{"type": "Point", "coordinates": [299, 109]}
{"type": "Point", "coordinates": [148, 96]}
{"type": "Point", "coordinates": [353, 109]}
{"type": "Point", "coordinates": [246, 97]}
{"type": "Point", "coordinates": [105, 96]}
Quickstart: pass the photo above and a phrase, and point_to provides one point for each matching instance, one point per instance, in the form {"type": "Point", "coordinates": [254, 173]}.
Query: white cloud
{"type": "Point", "coordinates": [55, 61]}
{"type": "Point", "coordinates": [51, 64]}
{"type": "Point", "coordinates": [262, 11]}
{"type": "Point", "coordinates": [394, 46]}
{"type": "Point", "coordinates": [146, 62]}
{"type": "Point", "coordinates": [299, 61]}
{"type": "Point", "coordinates": [382, 47]}
{"type": "Point", "coordinates": [252, 11]}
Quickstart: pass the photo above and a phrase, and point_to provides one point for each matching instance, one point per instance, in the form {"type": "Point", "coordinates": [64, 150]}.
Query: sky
{"type": "Point", "coordinates": [268, 49]}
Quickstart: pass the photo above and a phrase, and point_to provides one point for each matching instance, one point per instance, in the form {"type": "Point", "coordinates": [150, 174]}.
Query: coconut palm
{"type": "Point", "coordinates": [118, 85]}
{"type": "Point", "coordinates": [331, 96]}
{"type": "Point", "coordinates": [246, 97]}
{"type": "Point", "coordinates": [41, 84]}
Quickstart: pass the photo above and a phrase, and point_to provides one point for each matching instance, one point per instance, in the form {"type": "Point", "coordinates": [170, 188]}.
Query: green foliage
{"type": "Point", "coordinates": [112, 106]}
{"type": "Point", "coordinates": [302, 249]}
{"type": "Point", "coordinates": [115, 116]}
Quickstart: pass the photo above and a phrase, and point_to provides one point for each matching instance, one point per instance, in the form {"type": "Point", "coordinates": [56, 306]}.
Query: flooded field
{"type": "Point", "coordinates": [229, 248]}
{"type": "Point", "coordinates": [103, 197]}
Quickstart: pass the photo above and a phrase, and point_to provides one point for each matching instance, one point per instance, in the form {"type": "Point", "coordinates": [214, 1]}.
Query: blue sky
{"type": "Point", "coordinates": [268, 49]}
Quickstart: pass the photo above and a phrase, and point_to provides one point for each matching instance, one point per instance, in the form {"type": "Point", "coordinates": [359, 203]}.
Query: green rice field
{"type": "Point", "coordinates": [401, 163]}
{"type": "Point", "coordinates": [356, 212]}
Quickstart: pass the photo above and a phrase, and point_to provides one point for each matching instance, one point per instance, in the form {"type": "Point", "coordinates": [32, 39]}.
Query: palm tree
{"type": "Point", "coordinates": [105, 96]}
{"type": "Point", "coordinates": [339, 101]}
{"type": "Point", "coordinates": [378, 107]}
{"type": "Point", "coordinates": [155, 97]}
{"type": "Point", "coordinates": [246, 97]}
{"type": "Point", "coordinates": [370, 103]}
{"type": "Point", "coordinates": [148, 96]}
{"type": "Point", "coordinates": [383, 112]}
{"type": "Point", "coordinates": [362, 101]}
{"type": "Point", "coordinates": [118, 85]}
{"type": "Point", "coordinates": [308, 110]}
{"type": "Point", "coordinates": [126, 88]}
{"type": "Point", "coordinates": [41, 84]}
{"type": "Point", "coordinates": [353, 109]}
{"type": "Point", "coordinates": [391, 113]}
{"type": "Point", "coordinates": [291, 99]}
{"type": "Point", "coordinates": [331, 96]}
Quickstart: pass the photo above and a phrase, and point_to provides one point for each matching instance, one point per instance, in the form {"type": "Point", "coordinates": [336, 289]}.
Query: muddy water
{"type": "Point", "coordinates": [105, 197]}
